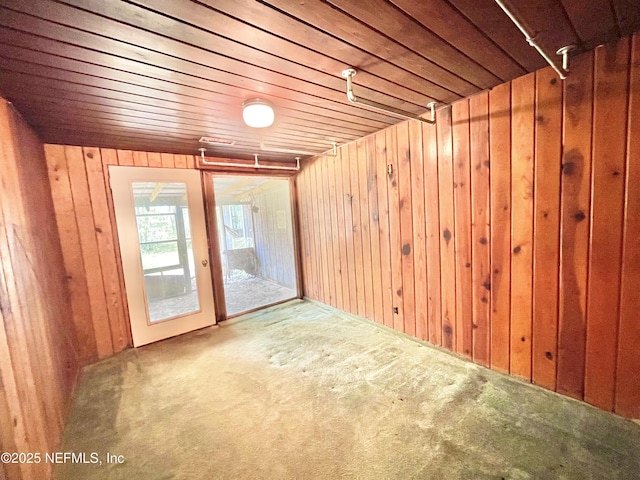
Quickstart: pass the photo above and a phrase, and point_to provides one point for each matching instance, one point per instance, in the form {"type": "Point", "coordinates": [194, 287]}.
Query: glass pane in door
{"type": "Point", "coordinates": [164, 234]}
{"type": "Point", "coordinates": [255, 234]}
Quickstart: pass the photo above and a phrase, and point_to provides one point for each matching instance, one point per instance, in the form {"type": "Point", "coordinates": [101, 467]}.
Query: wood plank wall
{"type": "Point", "coordinates": [86, 222]}
{"type": "Point", "coordinates": [39, 359]}
{"type": "Point", "coordinates": [508, 233]}
{"type": "Point", "coordinates": [273, 244]}
{"type": "Point", "coordinates": [85, 218]}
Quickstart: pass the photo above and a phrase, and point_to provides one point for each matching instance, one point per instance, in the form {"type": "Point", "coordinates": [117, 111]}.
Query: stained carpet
{"type": "Point", "coordinates": [302, 391]}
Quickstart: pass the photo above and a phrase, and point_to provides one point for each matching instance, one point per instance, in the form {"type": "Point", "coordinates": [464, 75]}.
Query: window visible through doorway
{"type": "Point", "coordinates": [164, 233]}
{"type": "Point", "coordinates": [238, 226]}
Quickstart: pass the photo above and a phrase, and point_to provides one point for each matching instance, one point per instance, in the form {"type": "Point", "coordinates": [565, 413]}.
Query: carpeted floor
{"type": "Point", "coordinates": [300, 391]}
{"type": "Point", "coordinates": [244, 292]}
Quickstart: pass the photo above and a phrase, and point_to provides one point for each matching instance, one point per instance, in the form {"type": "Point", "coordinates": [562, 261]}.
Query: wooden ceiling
{"type": "Point", "coordinates": [156, 75]}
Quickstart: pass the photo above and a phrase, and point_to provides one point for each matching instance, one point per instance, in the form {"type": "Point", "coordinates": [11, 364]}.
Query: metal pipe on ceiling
{"type": "Point", "coordinates": [256, 163]}
{"type": "Point", "coordinates": [349, 73]}
{"type": "Point", "coordinates": [531, 40]}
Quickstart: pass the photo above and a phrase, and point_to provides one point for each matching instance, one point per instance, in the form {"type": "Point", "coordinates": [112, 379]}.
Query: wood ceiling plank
{"type": "Point", "coordinates": [373, 73]}
{"type": "Point", "coordinates": [221, 125]}
{"type": "Point", "coordinates": [487, 16]}
{"type": "Point", "coordinates": [37, 103]}
{"type": "Point", "coordinates": [54, 90]}
{"type": "Point", "coordinates": [43, 117]}
{"type": "Point", "coordinates": [186, 41]}
{"type": "Point", "coordinates": [302, 141]}
{"type": "Point", "coordinates": [180, 68]}
{"type": "Point", "coordinates": [262, 27]}
{"type": "Point", "coordinates": [16, 82]}
{"type": "Point", "coordinates": [140, 143]}
{"type": "Point", "coordinates": [395, 25]}
{"type": "Point", "coordinates": [594, 21]}
{"type": "Point", "coordinates": [43, 120]}
{"type": "Point", "coordinates": [169, 93]}
{"type": "Point", "coordinates": [64, 137]}
{"type": "Point", "coordinates": [78, 133]}
{"type": "Point", "coordinates": [335, 23]}
{"type": "Point", "coordinates": [449, 24]}
{"type": "Point", "coordinates": [108, 129]}
{"type": "Point", "coordinates": [100, 87]}
{"type": "Point", "coordinates": [547, 20]}
{"type": "Point", "coordinates": [247, 145]}
{"type": "Point", "coordinates": [627, 15]}
{"type": "Point", "coordinates": [81, 125]}
{"type": "Point", "coordinates": [227, 84]}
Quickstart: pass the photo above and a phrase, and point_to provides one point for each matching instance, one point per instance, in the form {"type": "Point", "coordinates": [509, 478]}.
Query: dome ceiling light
{"type": "Point", "coordinates": [258, 113]}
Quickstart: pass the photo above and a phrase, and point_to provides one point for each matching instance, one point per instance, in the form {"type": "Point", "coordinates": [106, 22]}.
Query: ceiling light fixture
{"type": "Point", "coordinates": [257, 113]}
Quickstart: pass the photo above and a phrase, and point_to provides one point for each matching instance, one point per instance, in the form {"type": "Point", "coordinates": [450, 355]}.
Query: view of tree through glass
{"type": "Point", "coordinates": [164, 233]}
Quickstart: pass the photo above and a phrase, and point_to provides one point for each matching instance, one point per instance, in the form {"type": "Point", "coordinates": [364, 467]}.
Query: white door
{"type": "Point", "coordinates": [163, 245]}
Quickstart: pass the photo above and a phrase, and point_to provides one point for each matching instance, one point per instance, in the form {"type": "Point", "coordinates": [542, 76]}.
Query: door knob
{"type": "Point", "coordinates": [205, 263]}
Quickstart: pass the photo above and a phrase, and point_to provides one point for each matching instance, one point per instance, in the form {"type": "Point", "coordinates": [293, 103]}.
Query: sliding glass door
{"type": "Point", "coordinates": [256, 241]}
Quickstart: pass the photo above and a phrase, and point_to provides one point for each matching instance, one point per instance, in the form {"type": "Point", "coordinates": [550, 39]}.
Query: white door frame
{"type": "Point", "coordinates": [142, 330]}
